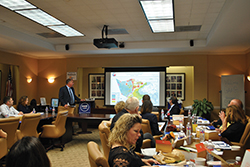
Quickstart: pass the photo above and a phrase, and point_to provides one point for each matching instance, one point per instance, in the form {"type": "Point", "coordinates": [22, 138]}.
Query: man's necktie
{"type": "Point", "coordinates": [72, 99]}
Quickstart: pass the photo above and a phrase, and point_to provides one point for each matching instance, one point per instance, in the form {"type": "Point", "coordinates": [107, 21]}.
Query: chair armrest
{"type": "Point", "coordinates": [146, 143]}
{"type": "Point", "coordinates": [48, 131]}
{"type": "Point", "coordinates": [53, 122]}
{"type": "Point", "coordinates": [236, 144]}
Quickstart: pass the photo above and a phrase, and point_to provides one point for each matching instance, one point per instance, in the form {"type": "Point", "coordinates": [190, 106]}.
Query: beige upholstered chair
{"type": "Point", "coordinates": [9, 125]}
{"type": "Point", "coordinates": [3, 146]}
{"type": "Point", "coordinates": [104, 132]}
{"type": "Point", "coordinates": [157, 114]}
{"type": "Point", "coordinates": [29, 125]}
{"type": "Point", "coordinates": [56, 130]}
{"type": "Point", "coordinates": [96, 158]}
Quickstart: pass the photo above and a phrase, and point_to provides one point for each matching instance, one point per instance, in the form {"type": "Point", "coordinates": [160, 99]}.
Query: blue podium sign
{"type": "Point", "coordinates": [84, 108]}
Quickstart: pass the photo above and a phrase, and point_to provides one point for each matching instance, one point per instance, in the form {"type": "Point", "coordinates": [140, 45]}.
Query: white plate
{"type": "Point", "coordinates": [149, 151]}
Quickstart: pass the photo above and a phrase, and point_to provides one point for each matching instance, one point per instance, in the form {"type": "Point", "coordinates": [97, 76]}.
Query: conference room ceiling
{"type": "Point", "coordinates": [224, 28]}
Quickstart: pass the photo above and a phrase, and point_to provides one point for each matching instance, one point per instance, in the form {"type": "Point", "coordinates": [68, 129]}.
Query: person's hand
{"type": "Point", "coordinates": [150, 161]}
{"type": "Point", "coordinates": [66, 106]}
{"type": "Point", "coordinates": [222, 115]}
{"type": "Point", "coordinates": [83, 100]}
{"type": "Point", "coordinates": [3, 134]}
{"type": "Point", "coordinates": [218, 130]}
{"type": "Point", "coordinates": [20, 113]}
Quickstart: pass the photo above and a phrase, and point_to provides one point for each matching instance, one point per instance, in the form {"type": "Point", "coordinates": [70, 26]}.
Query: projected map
{"type": "Point", "coordinates": [135, 84]}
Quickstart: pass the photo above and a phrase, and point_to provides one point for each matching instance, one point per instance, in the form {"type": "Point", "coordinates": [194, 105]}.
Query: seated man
{"type": "Point", "coordinates": [7, 108]}
{"type": "Point", "coordinates": [174, 109]}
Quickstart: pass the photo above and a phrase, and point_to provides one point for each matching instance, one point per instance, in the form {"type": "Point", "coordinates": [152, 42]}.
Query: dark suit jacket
{"type": "Point", "coordinates": [116, 117]}
{"type": "Point", "coordinates": [64, 96]}
{"type": "Point", "coordinates": [175, 110]}
{"type": "Point", "coordinates": [153, 123]}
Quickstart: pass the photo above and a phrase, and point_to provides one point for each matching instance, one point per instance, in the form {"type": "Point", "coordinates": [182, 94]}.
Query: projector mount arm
{"type": "Point", "coordinates": [105, 28]}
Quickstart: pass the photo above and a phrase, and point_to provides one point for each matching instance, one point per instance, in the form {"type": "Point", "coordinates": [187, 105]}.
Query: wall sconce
{"type": "Point", "coordinates": [51, 80]}
{"type": "Point", "coordinates": [29, 80]}
{"type": "Point", "coordinates": [248, 78]}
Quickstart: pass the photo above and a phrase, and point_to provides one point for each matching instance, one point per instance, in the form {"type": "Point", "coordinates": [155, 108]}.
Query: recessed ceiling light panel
{"type": "Point", "coordinates": [40, 17]}
{"type": "Point", "coordinates": [162, 25]}
{"type": "Point", "coordinates": [158, 9]}
{"type": "Point", "coordinates": [16, 4]}
{"type": "Point", "coordinates": [66, 30]}
{"type": "Point", "coordinates": [159, 14]}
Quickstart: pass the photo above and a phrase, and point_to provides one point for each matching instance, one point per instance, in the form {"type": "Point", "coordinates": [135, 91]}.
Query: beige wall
{"type": "Point", "coordinates": [28, 67]}
{"type": "Point", "coordinates": [207, 71]}
{"type": "Point", "coordinates": [189, 81]}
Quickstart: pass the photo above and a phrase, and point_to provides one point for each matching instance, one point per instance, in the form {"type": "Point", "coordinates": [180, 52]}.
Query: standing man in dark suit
{"type": "Point", "coordinates": [67, 94]}
{"type": "Point", "coordinates": [174, 109]}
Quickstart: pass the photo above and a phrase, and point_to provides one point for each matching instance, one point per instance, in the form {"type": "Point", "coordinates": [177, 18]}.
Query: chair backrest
{"type": "Point", "coordinates": [9, 125]}
{"type": "Point", "coordinates": [61, 121]}
{"type": "Point", "coordinates": [28, 126]}
{"type": "Point", "coordinates": [104, 132]}
{"type": "Point", "coordinates": [3, 146]}
{"type": "Point", "coordinates": [157, 114]}
{"type": "Point", "coordinates": [96, 158]}
{"type": "Point", "coordinates": [71, 110]}
{"type": "Point", "coordinates": [246, 134]}
{"type": "Point", "coordinates": [145, 126]}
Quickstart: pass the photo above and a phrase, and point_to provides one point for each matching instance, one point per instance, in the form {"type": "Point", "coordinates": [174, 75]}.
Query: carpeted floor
{"type": "Point", "coordinates": [75, 153]}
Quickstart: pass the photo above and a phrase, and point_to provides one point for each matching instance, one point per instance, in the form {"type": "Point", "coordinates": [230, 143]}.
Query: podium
{"type": "Point", "coordinates": [85, 106]}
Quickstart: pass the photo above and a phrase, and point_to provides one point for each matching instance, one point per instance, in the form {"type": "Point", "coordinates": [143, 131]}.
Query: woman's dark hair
{"type": "Point", "coordinates": [22, 100]}
{"type": "Point", "coordinates": [146, 107]}
{"type": "Point", "coordinates": [27, 152]}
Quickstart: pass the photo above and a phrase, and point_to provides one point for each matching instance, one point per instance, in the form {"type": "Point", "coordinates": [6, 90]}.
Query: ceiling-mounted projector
{"type": "Point", "coordinates": [105, 42]}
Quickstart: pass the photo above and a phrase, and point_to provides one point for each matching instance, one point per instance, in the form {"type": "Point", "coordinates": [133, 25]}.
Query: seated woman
{"type": "Point", "coordinates": [27, 152]}
{"type": "Point", "coordinates": [22, 105]}
{"type": "Point", "coordinates": [119, 106]}
{"type": "Point", "coordinates": [122, 142]}
{"type": "Point", "coordinates": [33, 104]}
{"type": "Point", "coordinates": [146, 110]}
{"type": "Point", "coordinates": [237, 119]}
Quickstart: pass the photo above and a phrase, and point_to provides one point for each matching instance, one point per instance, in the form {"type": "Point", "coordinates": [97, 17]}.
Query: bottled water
{"type": "Point", "coordinates": [210, 147]}
{"type": "Point", "coordinates": [46, 111]}
{"type": "Point", "coordinates": [188, 133]}
{"type": "Point", "coordinates": [162, 114]}
{"type": "Point", "coordinates": [53, 111]}
{"type": "Point", "coordinates": [34, 111]}
{"type": "Point", "coordinates": [189, 115]}
{"type": "Point", "coordinates": [202, 134]}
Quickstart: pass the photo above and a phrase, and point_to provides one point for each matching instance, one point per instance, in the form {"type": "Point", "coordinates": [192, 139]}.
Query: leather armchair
{"type": "Point", "coordinates": [9, 125]}
{"type": "Point", "coordinates": [96, 158]}
{"type": "Point", "coordinates": [56, 130]}
{"type": "Point", "coordinates": [28, 126]}
{"type": "Point", "coordinates": [104, 132]}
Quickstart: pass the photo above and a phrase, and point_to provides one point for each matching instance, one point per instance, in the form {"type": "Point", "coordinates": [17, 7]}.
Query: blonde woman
{"type": "Point", "coordinates": [237, 119]}
{"type": "Point", "coordinates": [122, 141]}
{"type": "Point", "coordinates": [119, 106]}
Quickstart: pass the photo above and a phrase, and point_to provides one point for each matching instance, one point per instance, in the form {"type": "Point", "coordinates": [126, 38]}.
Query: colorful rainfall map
{"type": "Point", "coordinates": [131, 88]}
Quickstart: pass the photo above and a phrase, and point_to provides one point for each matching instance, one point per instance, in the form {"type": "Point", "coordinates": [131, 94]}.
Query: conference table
{"type": "Point", "coordinates": [83, 120]}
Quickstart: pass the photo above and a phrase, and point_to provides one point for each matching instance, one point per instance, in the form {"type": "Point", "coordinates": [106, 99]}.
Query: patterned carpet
{"type": "Point", "coordinates": [75, 153]}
